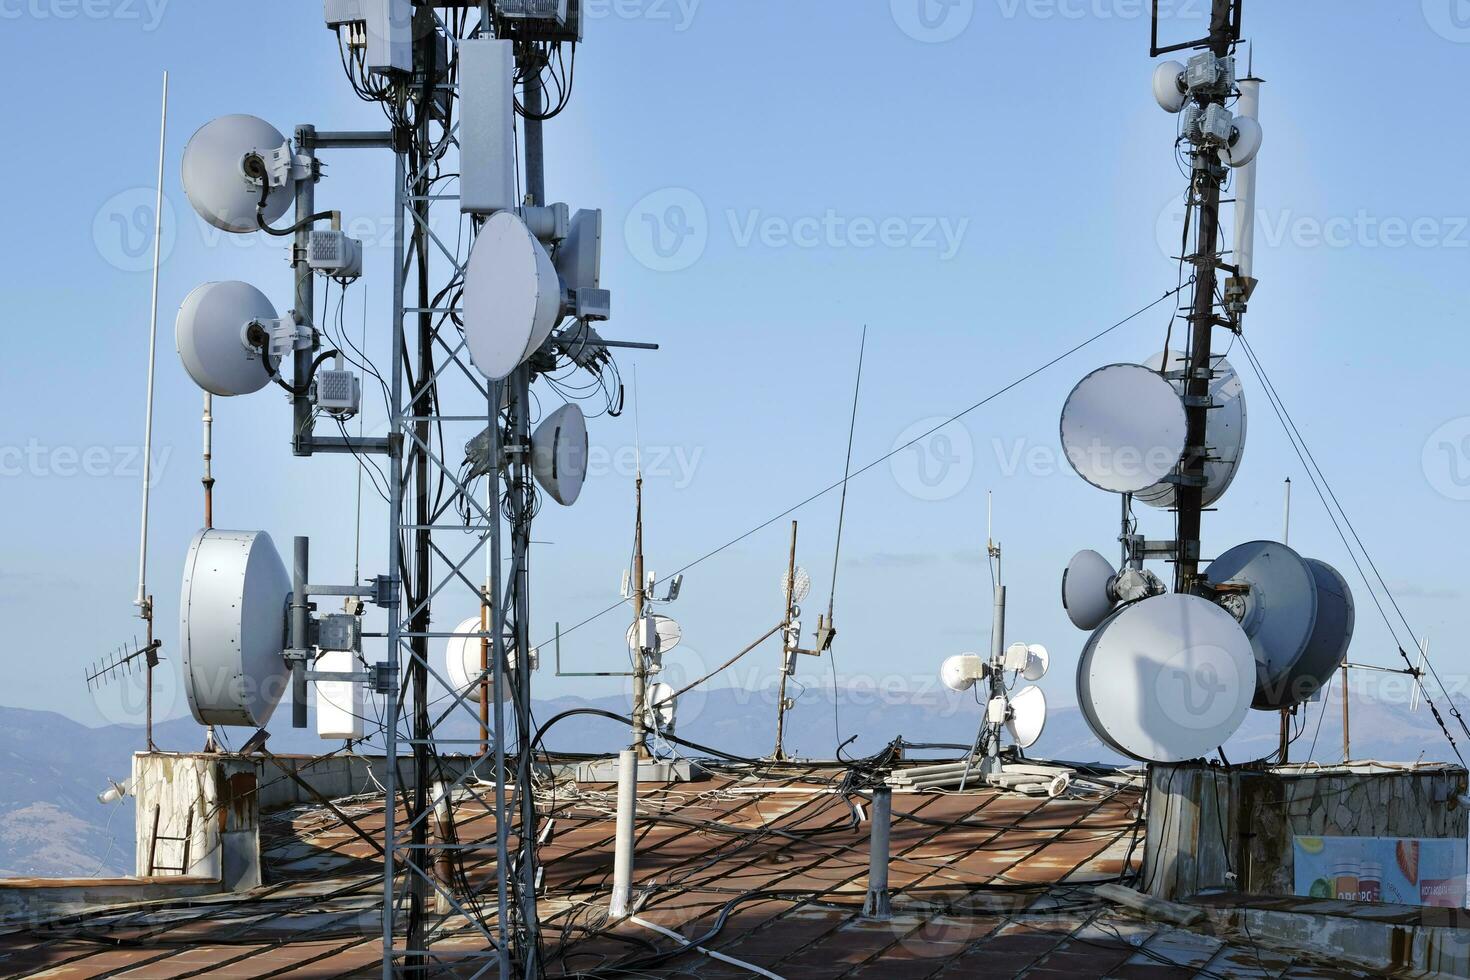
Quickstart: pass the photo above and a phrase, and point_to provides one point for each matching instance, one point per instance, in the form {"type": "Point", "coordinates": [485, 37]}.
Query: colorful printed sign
{"type": "Point", "coordinates": [1399, 871]}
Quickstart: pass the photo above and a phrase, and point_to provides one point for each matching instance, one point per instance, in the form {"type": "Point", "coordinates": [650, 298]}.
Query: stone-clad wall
{"type": "Point", "coordinates": [1209, 827]}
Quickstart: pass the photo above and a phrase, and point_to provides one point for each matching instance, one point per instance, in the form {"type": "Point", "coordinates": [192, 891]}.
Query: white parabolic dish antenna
{"type": "Point", "coordinates": [661, 713]}
{"type": "Point", "coordinates": [800, 589]}
{"type": "Point", "coordinates": [1085, 590]}
{"type": "Point", "coordinates": [1225, 431]}
{"type": "Point", "coordinates": [1298, 614]}
{"type": "Point", "coordinates": [1027, 717]}
{"type": "Point", "coordinates": [1123, 428]}
{"type": "Point", "coordinates": [215, 167]}
{"type": "Point", "coordinates": [1167, 679]}
{"type": "Point", "coordinates": [462, 661]}
{"type": "Point", "coordinates": [210, 335]}
{"type": "Point", "coordinates": [232, 627]}
{"type": "Point", "coordinates": [668, 631]}
{"type": "Point", "coordinates": [959, 673]}
{"type": "Point", "coordinates": [512, 296]}
{"type": "Point", "coordinates": [1038, 662]}
{"type": "Point", "coordinates": [559, 454]}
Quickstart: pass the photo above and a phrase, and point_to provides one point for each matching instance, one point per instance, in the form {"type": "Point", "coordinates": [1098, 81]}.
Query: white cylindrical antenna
{"type": "Point", "coordinates": [142, 600]}
{"type": "Point", "coordinates": [1249, 106]}
{"type": "Point", "coordinates": [1286, 518]}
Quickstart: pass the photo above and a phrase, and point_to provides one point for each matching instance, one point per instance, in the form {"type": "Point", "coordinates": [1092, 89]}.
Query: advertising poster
{"type": "Point", "coordinates": [1399, 871]}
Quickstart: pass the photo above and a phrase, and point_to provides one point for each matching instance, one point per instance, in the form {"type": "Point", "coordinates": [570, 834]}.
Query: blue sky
{"type": "Point", "coordinates": [982, 187]}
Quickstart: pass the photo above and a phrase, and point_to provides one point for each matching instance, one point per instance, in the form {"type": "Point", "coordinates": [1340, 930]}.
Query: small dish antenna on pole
{"type": "Point", "coordinates": [226, 166]}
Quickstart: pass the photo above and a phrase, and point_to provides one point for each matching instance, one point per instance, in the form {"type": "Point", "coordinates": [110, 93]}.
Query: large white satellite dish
{"type": "Point", "coordinates": [512, 296]}
{"type": "Point", "coordinates": [1298, 614]}
{"type": "Point", "coordinates": [232, 627]}
{"type": "Point", "coordinates": [667, 632]}
{"type": "Point", "coordinates": [1166, 679]}
{"type": "Point", "coordinates": [559, 454]}
{"type": "Point", "coordinates": [223, 168]}
{"type": "Point", "coordinates": [1225, 431]}
{"type": "Point", "coordinates": [1086, 590]}
{"type": "Point", "coordinates": [1123, 428]}
{"type": "Point", "coordinates": [1027, 717]}
{"type": "Point", "coordinates": [210, 333]}
{"type": "Point", "coordinates": [462, 661]}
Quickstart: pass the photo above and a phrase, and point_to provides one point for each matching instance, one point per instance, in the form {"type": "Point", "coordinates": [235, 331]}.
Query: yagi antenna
{"type": "Point", "coordinates": [122, 662]}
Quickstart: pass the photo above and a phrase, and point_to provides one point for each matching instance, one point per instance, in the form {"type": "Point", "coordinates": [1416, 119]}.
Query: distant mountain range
{"type": "Point", "coordinates": [51, 768]}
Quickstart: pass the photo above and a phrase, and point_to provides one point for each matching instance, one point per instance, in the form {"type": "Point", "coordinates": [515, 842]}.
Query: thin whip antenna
{"type": "Point", "coordinates": [142, 600]}
{"type": "Point", "coordinates": [357, 548]}
{"type": "Point", "coordinates": [847, 472]}
{"type": "Point", "coordinates": [637, 428]}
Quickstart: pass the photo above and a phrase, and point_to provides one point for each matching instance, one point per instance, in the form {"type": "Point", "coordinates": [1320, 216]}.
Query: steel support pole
{"type": "Point", "coordinates": [497, 648]}
{"type": "Point", "coordinates": [300, 623]}
{"type": "Point", "coordinates": [876, 905]}
{"type": "Point", "coordinates": [1208, 175]}
{"type": "Point", "coordinates": [395, 563]}
{"type": "Point", "coordinates": [521, 491]}
{"type": "Point", "coordinates": [622, 894]}
{"type": "Point", "coordinates": [788, 649]}
{"type": "Point", "coordinates": [305, 298]}
{"type": "Point", "coordinates": [640, 661]}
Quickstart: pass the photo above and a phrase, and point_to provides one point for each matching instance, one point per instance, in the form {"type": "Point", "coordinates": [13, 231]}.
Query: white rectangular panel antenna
{"type": "Point", "coordinates": [487, 126]}
{"type": "Point", "coordinates": [579, 259]}
{"type": "Point", "coordinates": [382, 28]}
{"type": "Point", "coordinates": [340, 705]}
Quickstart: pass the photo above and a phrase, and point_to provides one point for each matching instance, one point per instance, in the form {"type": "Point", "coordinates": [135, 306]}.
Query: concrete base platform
{"type": "Point", "coordinates": [30, 902]}
{"type": "Point", "coordinates": [1383, 940]}
{"type": "Point", "coordinates": [606, 771]}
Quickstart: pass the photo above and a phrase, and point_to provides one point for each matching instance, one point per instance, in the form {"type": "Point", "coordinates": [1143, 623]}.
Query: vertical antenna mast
{"type": "Point", "coordinates": [142, 599]}
{"type": "Point", "coordinates": [1208, 176]}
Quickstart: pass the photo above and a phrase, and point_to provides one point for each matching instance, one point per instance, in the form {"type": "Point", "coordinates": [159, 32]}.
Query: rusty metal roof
{"type": "Point", "coordinates": [769, 871]}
